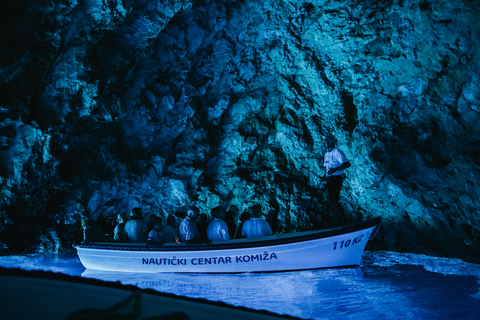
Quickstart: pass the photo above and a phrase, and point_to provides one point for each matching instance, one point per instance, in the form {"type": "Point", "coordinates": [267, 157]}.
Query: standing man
{"type": "Point", "coordinates": [335, 162]}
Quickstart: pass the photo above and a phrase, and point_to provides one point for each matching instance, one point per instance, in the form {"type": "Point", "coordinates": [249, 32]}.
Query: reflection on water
{"type": "Point", "coordinates": [387, 286]}
{"type": "Point", "coordinates": [64, 262]}
{"type": "Point", "coordinates": [285, 293]}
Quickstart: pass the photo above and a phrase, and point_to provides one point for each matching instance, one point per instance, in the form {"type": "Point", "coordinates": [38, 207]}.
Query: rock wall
{"type": "Point", "coordinates": [107, 105]}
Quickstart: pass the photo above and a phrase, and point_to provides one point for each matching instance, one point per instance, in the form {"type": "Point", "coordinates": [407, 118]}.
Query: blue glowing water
{"type": "Point", "coordinates": [387, 285]}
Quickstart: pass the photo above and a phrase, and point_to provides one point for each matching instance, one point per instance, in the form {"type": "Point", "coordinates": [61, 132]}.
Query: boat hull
{"type": "Point", "coordinates": [333, 248]}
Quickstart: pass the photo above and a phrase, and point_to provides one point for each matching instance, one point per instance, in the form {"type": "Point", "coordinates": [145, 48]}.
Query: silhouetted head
{"type": "Point", "coordinates": [245, 216]}
{"type": "Point", "coordinates": [202, 218]}
{"type": "Point", "coordinates": [157, 222]}
{"type": "Point", "coordinates": [330, 143]}
{"type": "Point", "coordinates": [256, 211]}
{"type": "Point", "coordinates": [218, 213]}
{"type": "Point", "coordinates": [136, 213]}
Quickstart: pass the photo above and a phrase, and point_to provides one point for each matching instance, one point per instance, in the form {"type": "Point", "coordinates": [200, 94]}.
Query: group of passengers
{"type": "Point", "coordinates": [221, 228]}
{"type": "Point", "coordinates": [138, 230]}
{"type": "Point", "coordinates": [195, 227]}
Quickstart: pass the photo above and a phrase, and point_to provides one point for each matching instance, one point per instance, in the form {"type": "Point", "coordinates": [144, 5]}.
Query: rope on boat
{"type": "Point", "coordinates": [112, 312]}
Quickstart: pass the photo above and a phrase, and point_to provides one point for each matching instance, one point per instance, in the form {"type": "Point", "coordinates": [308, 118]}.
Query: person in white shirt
{"type": "Point", "coordinates": [217, 229]}
{"type": "Point", "coordinates": [335, 162]}
{"type": "Point", "coordinates": [256, 226]}
{"type": "Point", "coordinates": [137, 227]}
{"type": "Point", "coordinates": [188, 230]}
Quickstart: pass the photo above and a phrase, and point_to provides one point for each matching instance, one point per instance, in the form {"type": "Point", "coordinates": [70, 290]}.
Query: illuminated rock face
{"type": "Point", "coordinates": [107, 105]}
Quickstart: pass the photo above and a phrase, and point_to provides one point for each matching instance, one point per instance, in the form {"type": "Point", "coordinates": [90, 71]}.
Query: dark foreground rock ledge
{"type": "Point", "coordinates": [108, 104]}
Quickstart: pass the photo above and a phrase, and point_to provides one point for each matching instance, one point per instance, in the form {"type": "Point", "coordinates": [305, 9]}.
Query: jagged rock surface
{"type": "Point", "coordinates": [107, 105]}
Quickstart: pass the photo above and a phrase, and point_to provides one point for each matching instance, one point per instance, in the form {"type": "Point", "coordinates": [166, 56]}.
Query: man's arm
{"type": "Point", "coordinates": [344, 166]}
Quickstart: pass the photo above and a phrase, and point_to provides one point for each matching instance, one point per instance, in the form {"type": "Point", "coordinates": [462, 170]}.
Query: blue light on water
{"type": "Point", "coordinates": [387, 286]}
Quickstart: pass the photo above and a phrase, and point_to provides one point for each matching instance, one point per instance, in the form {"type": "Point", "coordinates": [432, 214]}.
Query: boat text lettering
{"type": "Point", "coordinates": [165, 261]}
{"type": "Point", "coordinates": [256, 257]}
{"type": "Point", "coordinates": [347, 243]}
{"type": "Point", "coordinates": [210, 260]}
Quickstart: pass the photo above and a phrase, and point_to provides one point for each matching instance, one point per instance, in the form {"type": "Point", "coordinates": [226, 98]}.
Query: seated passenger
{"type": "Point", "coordinates": [188, 229]}
{"type": "Point", "coordinates": [119, 234]}
{"type": "Point", "coordinates": [169, 233]}
{"type": "Point", "coordinates": [92, 232]}
{"type": "Point", "coordinates": [244, 217]}
{"type": "Point", "coordinates": [155, 236]}
{"type": "Point", "coordinates": [202, 225]}
{"type": "Point", "coordinates": [230, 217]}
{"type": "Point", "coordinates": [137, 227]}
{"type": "Point", "coordinates": [256, 226]}
{"type": "Point", "coordinates": [218, 229]}
{"type": "Point", "coordinates": [272, 219]}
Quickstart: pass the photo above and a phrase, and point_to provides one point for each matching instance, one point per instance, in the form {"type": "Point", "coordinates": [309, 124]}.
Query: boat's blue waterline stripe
{"type": "Point", "coordinates": [233, 244]}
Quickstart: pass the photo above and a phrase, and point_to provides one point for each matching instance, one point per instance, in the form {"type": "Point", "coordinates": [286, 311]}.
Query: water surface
{"type": "Point", "coordinates": [387, 285]}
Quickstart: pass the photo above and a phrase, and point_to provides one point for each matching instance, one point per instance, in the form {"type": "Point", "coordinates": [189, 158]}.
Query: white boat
{"type": "Point", "coordinates": [341, 247]}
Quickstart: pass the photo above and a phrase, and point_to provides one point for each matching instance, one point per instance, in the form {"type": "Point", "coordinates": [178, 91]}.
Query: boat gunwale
{"type": "Point", "coordinates": [233, 244]}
